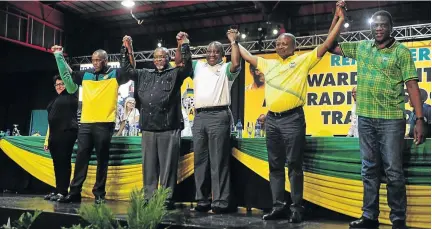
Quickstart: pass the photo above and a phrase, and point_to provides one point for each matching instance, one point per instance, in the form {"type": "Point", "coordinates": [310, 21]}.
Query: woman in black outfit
{"type": "Point", "coordinates": [61, 136]}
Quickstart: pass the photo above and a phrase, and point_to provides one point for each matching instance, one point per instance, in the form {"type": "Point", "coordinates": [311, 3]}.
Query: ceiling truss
{"type": "Point", "coordinates": [402, 33]}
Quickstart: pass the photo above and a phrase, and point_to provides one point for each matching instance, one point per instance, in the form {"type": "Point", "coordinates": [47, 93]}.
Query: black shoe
{"type": "Point", "coordinates": [399, 224]}
{"type": "Point", "coordinates": [219, 210]}
{"type": "Point", "coordinates": [364, 222]}
{"type": "Point", "coordinates": [295, 217]}
{"type": "Point", "coordinates": [48, 197]}
{"type": "Point", "coordinates": [169, 205]}
{"type": "Point", "coordinates": [279, 213]}
{"type": "Point", "coordinates": [99, 200]}
{"type": "Point", "coordinates": [70, 199]}
{"type": "Point", "coordinates": [202, 208]}
{"type": "Point", "coordinates": [56, 197]}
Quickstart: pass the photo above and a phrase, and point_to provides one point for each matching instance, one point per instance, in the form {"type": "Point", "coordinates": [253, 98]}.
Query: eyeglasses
{"type": "Point", "coordinates": [59, 84]}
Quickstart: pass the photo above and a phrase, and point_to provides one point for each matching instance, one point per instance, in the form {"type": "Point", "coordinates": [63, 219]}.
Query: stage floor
{"type": "Point", "coordinates": [183, 216]}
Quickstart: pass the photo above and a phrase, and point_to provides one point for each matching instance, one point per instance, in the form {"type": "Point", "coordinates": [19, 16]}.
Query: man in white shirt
{"type": "Point", "coordinates": [211, 129]}
{"type": "Point", "coordinates": [353, 130]}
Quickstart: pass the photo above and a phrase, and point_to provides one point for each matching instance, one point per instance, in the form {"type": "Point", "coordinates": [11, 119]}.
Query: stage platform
{"type": "Point", "coordinates": [57, 215]}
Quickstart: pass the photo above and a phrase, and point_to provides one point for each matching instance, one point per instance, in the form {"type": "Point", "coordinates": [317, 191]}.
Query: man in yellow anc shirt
{"type": "Point", "coordinates": [100, 90]}
{"type": "Point", "coordinates": [285, 95]}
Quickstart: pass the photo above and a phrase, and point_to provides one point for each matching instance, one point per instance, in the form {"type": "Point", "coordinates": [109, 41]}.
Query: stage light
{"type": "Point", "coordinates": [346, 25]}
{"type": "Point", "coordinates": [159, 44]}
{"type": "Point", "coordinates": [243, 36]}
{"type": "Point", "coordinates": [128, 3]}
{"type": "Point", "coordinates": [275, 31]}
{"type": "Point", "coordinates": [370, 20]}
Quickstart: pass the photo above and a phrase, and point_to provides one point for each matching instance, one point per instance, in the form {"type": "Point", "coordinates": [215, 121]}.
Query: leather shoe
{"type": "Point", "coordinates": [70, 199]}
{"type": "Point", "coordinates": [219, 210]}
{"type": "Point", "coordinates": [399, 224]}
{"type": "Point", "coordinates": [202, 208]}
{"type": "Point", "coordinates": [276, 214]}
{"type": "Point", "coordinates": [56, 197]}
{"type": "Point", "coordinates": [169, 205]}
{"type": "Point", "coordinates": [99, 200]}
{"type": "Point", "coordinates": [296, 217]}
{"type": "Point", "coordinates": [48, 197]}
{"type": "Point", "coordinates": [364, 222]}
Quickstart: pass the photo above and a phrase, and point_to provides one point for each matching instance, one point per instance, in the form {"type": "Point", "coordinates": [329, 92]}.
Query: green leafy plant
{"type": "Point", "coordinates": [142, 214]}
{"type": "Point", "coordinates": [24, 222]}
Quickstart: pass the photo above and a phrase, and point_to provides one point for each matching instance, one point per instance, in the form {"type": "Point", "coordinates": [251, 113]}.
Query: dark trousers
{"type": "Point", "coordinates": [97, 135]}
{"type": "Point", "coordinates": [61, 145]}
{"type": "Point", "coordinates": [285, 137]}
{"type": "Point", "coordinates": [381, 145]}
{"type": "Point", "coordinates": [161, 152]}
{"type": "Point", "coordinates": [211, 137]}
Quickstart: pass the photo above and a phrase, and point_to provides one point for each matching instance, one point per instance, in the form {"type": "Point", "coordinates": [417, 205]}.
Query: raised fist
{"type": "Point", "coordinates": [127, 42]}
{"type": "Point", "coordinates": [56, 48]}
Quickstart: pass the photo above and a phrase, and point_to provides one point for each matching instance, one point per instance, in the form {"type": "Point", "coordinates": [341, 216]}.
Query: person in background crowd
{"type": "Point", "coordinates": [130, 115]}
{"type": "Point", "coordinates": [383, 67]}
{"type": "Point", "coordinates": [61, 136]}
{"type": "Point", "coordinates": [99, 89]}
{"type": "Point", "coordinates": [353, 130]}
{"type": "Point", "coordinates": [212, 125]}
{"type": "Point", "coordinates": [412, 120]}
{"type": "Point", "coordinates": [161, 118]}
{"type": "Point", "coordinates": [286, 86]}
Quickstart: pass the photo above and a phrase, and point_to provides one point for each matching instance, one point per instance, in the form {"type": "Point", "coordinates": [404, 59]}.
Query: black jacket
{"type": "Point", "coordinates": [62, 112]}
{"type": "Point", "coordinates": [159, 95]}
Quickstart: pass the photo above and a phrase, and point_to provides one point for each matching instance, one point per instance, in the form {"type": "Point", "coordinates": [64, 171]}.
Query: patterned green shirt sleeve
{"type": "Point", "coordinates": [406, 65]}
{"type": "Point", "coordinates": [70, 85]}
{"type": "Point", "coordinates": [349, 49]}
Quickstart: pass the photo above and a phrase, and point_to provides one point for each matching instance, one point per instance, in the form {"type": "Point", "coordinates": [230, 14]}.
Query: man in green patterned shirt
{"type": "Point", "coordinates": [383, 67]}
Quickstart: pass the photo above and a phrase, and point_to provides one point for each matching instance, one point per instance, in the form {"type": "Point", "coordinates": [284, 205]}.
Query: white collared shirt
{"type": "Point", "coordinates": [212, 84]}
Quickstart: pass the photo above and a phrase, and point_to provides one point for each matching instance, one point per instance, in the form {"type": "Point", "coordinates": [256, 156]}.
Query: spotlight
{"type": "Point", "coordinates": [243, 36]}
{"type": "Point", "coordinates": [128, 3]}
{"type": "Point", "coordinates": [275, 31]}
{"type": "Point", "coordinates": [159, 44]}
{"type": "Point", "coordinates": [260, 29]}
{"type": "Point", "coordinates": [370, 20]}
{"type": "Point", "coordinates": [346, 25]}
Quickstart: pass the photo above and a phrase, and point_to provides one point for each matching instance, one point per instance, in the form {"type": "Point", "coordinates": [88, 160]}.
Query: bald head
{"type": "Point", "coordinates": [289, 36]}
{"type": "Point", "coordinates": [101, 53]}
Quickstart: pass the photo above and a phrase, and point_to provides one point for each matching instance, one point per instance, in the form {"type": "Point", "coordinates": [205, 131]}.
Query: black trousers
{"type": "Point", "coordinates": [285, 137]}
{"type": "Point", "coordinates": [211, 137]}
{"type": "Point", "coordinates": [161, 152]}
{"type": "Point", "coordinates": [98, 136]}
{"type": "Point", "coordinates": [61, 145]}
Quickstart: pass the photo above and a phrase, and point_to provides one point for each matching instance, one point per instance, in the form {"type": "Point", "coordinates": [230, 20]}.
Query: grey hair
{"type": "Point", "coordinates": [101, 53]}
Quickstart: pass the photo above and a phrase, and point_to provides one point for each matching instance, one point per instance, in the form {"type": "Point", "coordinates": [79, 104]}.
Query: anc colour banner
{"type": "Point", "coordinates": [329, 101]}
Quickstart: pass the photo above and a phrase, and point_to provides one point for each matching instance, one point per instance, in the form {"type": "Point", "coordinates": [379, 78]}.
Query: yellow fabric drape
{"type": "Point", "coordinates": [345, 196]}
{"type": "Point", "coordinates": [121, 179]}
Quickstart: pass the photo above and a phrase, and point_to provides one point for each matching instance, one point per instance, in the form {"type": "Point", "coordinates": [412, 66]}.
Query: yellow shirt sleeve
{"type": "Point", "coordinates": [312, 58]}
{"type": "Point", "coordinates": [263, 65]}
{"type": "Point", "coordinates": [47, 137]}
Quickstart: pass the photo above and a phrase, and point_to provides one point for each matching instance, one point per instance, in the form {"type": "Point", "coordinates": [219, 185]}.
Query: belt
{"type": "Point", "coordinates": [216, 108]}
{"type": "Point", "coordinates": [285, 113]}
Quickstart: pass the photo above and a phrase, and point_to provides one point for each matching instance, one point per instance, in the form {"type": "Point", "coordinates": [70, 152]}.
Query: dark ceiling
{"type": "Point", "coordinates": [105, 22]}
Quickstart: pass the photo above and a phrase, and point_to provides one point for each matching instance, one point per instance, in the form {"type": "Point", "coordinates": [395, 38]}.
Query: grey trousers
{"type": "Point", "coordinates": [285, 137]}
{"type": "Point", "coordinates": [211, 136]}
{"type": "Point", "coordinates": [161, 151]}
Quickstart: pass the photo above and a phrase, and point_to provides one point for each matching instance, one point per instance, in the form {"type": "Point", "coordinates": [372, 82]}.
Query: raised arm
{"type": "Point", "coordinates": [338, 20]}
{"type": "Point", "coordinates": [335, 48]}
{"type": "Point", "coordinates": [247, 56]}
{"type": "Point", "coordinates": [233, 35]}
{"type": "Point", "coordinates": [127, 62]}
{"type": "Point", "coordinates": [64, 70]}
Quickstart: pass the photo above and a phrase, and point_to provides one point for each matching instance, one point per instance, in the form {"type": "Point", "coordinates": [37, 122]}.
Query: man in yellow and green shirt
{"type": "Point", "coordinates": [100, 89]}
{"type": "Point", "coordinates": [383, 67]}
{"type": "Point", "coordinates": [285, 94]}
